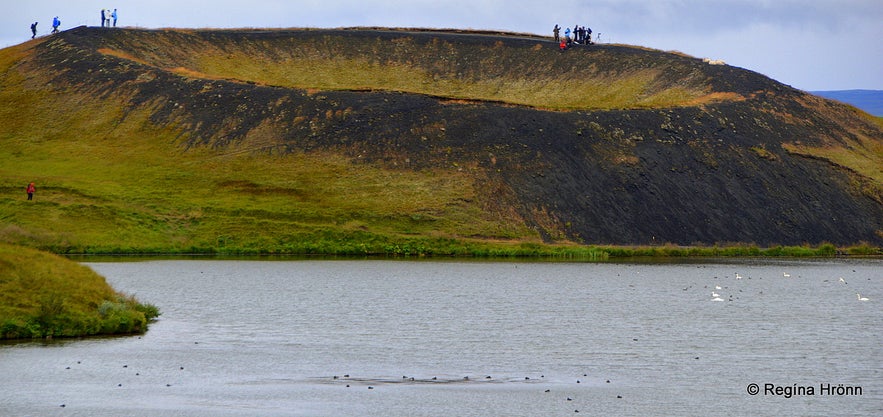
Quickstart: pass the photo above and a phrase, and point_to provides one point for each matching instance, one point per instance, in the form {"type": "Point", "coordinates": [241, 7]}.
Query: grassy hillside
{"type": "Point", "coordinates": [44, 295]}
{"type": "Point", "coordinates": [362, 142]}
{"type": "Point", "coordinates": [107, 186]}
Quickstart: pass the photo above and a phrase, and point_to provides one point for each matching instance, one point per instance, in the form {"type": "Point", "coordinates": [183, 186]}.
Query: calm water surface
{"type": "Point", "coordinates": [453, 338]}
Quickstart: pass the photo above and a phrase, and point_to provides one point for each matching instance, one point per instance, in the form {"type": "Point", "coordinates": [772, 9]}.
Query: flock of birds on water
{"type": "Point", "coordinates": [715, 296]}
{"type": "Point", "coordinates": [119, 385]}
{"type": "Point", "coordinates": [406, 379]}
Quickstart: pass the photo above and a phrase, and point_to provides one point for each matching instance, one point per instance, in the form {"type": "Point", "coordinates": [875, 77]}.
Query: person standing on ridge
{"type": "Point", "coordinates": [34, 30]}
{"type": "Point", "coordinates": [31, 189]}
{"type": "Point", "coordinates": [114, 16]}
{"type": "Point", "coordinates": [102, 18]}
{"type": "Point", "coordinates": [557, 32]}
{"type": "Point", "coordinates": [55, 24]}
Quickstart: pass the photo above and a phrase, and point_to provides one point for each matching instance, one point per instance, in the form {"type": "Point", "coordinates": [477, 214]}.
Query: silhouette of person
{"type": "Point", "coordinates": [34, 30]}
{"type": "Point", "coordinates": [31, 189]}
{"type": "Point", "coordinates": [557, 32]}
{"type": "Point", "coordinates": [102, 18]}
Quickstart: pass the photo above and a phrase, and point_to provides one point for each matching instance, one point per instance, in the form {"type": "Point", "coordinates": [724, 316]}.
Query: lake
{"type": "Point", "coordinates": [471, 338]}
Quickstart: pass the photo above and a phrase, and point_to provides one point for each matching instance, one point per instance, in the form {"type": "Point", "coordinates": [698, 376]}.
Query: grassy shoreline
{"type": "Point", "coordinates": [451, 248]}
{"type": "Point", "coordinates": [43, 295]}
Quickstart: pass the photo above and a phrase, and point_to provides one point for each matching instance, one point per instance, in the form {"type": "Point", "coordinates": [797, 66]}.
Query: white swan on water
{"type": "Point", "coordinates": [786, 275]}
{"type": "Point", "coordinates": [860, 298]}
{"type": "Point", "coordinates": [714, 294]}
{"type": "Point", "coordinates": [717, 287]}
{"type": "Point", "coordinates": [738, 276]}
{"type": "Point", "coordinates": [842, 280]}
{"type": "Point", "coordinates": [717, 299]}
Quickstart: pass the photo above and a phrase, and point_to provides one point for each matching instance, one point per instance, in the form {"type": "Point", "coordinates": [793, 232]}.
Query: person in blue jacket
{"type": "Point", "coordinates": [114, 16]}
{"type": "Point", "coordinates": [55, 24]}
{"type": "Point", "coordinates": [34, 30]}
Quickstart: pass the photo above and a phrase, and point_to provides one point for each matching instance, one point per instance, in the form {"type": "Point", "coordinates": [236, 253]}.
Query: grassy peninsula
{"type": "Point", "coordinates": [44, 295]}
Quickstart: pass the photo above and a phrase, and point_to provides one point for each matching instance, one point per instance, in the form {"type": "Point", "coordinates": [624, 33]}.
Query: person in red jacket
{"type": "Point", "coordinates": [31, 190]}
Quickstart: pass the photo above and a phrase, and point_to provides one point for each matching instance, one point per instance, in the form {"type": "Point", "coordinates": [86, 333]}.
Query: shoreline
{"type": "Point", "coordinates": [528, 252]}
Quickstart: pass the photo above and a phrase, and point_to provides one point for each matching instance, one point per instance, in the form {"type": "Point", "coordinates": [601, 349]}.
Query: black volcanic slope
{"type": "Point", "coordinates": [740, 159]}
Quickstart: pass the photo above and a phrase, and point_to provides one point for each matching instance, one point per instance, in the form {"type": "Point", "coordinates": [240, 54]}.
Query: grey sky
{"type": "Point", "coordinates": [809, 44]}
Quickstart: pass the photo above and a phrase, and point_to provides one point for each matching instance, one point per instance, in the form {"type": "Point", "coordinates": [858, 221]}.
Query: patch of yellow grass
{"type": "Point", "coordinates": [865, 156]}
{"type": "Point", "coordinates": [716, 97]}
{"type": "Point", "coordinates": [123, 55]}
{"type": "Point", "coordinates": [187, 72]}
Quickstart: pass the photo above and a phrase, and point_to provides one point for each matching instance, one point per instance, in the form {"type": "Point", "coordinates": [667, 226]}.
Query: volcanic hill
{"type": "Point", "coordinates": [372, 139]}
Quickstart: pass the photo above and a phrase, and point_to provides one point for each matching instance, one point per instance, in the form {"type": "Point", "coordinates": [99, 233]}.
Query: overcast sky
{"type": "Point", "coordinates": [809, 44]}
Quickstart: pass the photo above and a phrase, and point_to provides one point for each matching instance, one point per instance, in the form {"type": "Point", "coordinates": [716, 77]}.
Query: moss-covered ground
{"type": "Point", "coordinates": [45, 295]}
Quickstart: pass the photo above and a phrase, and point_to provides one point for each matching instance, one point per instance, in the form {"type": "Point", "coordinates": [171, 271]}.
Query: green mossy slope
{"type": "Point", "coordinates": [45, 295]}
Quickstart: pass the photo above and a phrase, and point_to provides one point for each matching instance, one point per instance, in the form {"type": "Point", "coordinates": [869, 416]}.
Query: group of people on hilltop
{"type": "Point", "coordinates": [108, 19]}
{"type": "Point", "coordinates": [107, 16]}
{"type": "Point", "coordinates": [55, 24]}
{"type": "Point", "coordinates": [580, 35]}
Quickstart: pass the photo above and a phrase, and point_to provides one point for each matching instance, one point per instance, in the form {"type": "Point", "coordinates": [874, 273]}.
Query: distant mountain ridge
{"type": "Point", "coordinates": [870, 101]}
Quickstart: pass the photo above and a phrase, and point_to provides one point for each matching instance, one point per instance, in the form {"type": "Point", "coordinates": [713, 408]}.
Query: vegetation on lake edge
{"type": "Point", "coordinates": [419, 247]}
{"type": "Point", "coordinates": [47, 296]}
